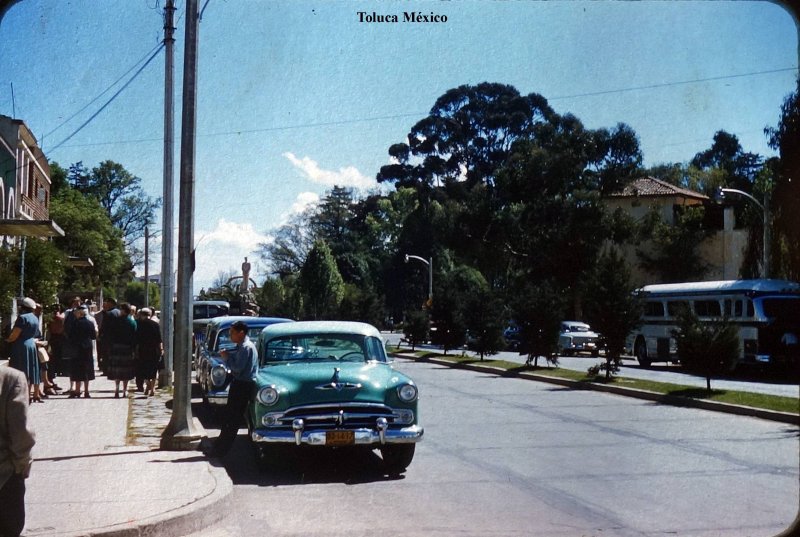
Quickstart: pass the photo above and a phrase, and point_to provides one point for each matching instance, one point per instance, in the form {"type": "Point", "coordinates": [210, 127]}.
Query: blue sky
{"type": "Point", "coordinates": [295, 96]}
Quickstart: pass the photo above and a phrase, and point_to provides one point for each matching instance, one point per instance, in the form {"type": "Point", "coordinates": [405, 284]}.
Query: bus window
{"type": "Point", "coordinates": [750, 311]}
{"type": "Point", "coordinates": [653, 309]}
{"type": "Point", "coordinates": [707, 308]}
{"type": "Point", "coordinates": [738, 308]}
{"type": "Point", "coordinates": [675, 307]}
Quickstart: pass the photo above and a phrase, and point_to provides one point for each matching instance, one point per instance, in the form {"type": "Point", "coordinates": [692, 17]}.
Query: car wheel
{"type": "Point", "coordinates": [397, 457]}
{"type": "Point", "coordinates": [641, 353]}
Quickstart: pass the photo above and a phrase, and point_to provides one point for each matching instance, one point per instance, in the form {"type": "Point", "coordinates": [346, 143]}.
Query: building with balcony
{"type": "Point", "coordinates": [24, 184]}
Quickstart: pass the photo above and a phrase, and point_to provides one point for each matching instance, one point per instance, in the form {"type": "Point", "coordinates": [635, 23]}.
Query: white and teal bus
{"type": "Point", "coordinates": [767, 313]}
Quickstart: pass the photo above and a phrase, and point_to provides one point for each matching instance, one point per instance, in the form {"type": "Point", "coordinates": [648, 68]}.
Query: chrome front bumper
{"type": "Point", "coordinates": [217, 398]}
{"type": "Point", "coordinates": [407, 435]}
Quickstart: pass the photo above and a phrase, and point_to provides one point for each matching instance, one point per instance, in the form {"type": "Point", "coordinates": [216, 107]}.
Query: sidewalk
{"type": "Point", "coordinates": [90, 477]}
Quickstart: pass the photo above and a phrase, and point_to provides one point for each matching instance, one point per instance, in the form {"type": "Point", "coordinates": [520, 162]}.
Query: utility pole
{"type": "Point", "coordinates": [167, 283]}
{"type": "Point", "coordinates": [146, 267]}
{"type": "Point", "coordinates": [184, 432]}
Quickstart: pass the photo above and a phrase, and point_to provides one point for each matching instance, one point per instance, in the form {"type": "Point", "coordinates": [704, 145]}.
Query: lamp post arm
{"type": "Point", "coordinates": [428, 262]}
{"type": "Point", "coordinates": [745, 194]}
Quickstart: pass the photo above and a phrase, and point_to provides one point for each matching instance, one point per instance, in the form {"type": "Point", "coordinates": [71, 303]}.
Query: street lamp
{"type": "Point", "coordinates": [430, 274]}
{"type": "Point", "coordinates": [719, 197]}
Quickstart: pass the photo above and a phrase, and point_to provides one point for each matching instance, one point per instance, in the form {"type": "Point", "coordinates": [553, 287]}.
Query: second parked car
{"type": "Point", "coordinates": [576, 337]}
{"type": "Point", "coordinates": [213, 375]}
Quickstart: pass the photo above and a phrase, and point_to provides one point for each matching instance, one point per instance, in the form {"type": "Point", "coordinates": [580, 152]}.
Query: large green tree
{"type": "Point", "coordinates": [89, 232]}
{"type": "Point", "coordinates": [286, 253]}
{"type": "Point", "coordinates": [610, 305]}
{"type": "Point", "coordinates": [321, 283]}
{"type": "Point", "coordinates": [121, 195]}
{"type": "Point", "coordinates": [785, 138]}
{"type": "Point", "coordinates": [740, 170]}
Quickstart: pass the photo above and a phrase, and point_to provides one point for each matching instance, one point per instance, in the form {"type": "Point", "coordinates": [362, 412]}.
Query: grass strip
{"type": "Point", "coordinates": [754, 400]}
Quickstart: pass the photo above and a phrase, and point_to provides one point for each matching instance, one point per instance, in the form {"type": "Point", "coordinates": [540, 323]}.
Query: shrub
{"type": "Point", "coordinates": [710, 348]}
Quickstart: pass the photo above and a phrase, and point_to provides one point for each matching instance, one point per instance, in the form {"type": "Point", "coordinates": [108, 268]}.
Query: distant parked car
{"type": "Point", "coordinates": [202, 313]}
{"type": "Point", "coordinates": [330, 384]}
{"type": "Point", "coordinates": [512, 336]}
{"type": "Point", "coordinates": [212, 374]}
{"type": "Point", "coordinates": [576, 337]}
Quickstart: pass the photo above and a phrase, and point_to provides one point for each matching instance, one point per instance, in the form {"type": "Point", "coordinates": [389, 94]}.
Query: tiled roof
{"type": "Point", "coordinates": [652, 187]}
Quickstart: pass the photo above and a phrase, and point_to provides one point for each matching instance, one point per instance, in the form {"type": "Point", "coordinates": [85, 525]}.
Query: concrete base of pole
{"type": "Point", "coordinates": [186, 437]}
{"type": "Point", "coordinates": [164, 379]}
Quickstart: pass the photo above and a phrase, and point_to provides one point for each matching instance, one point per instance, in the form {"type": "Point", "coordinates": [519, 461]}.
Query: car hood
{"type": "Point", "coordinates": [319, 382]}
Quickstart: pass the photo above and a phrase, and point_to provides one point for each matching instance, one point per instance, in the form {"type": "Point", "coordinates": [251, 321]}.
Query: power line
{"type": "Point", "coordinates": [668, 84]}
{"type": "Point", "coordinates": [76, 131]}
{"type": "Point", "coordinates": [102, 93]}
{"type": "Point", "coordinates": [419, 114]}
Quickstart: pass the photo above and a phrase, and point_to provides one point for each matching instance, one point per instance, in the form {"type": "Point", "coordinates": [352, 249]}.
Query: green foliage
{"type": "Point", "coordinates": [361, 304]}
{"type": "Point", "coordinates": [44, 270]}
{"type": "Point", "coordinates": [416, 327]}
{"type": "Point", "coordinates": [321, 283]}
{"type": "Point", "coordinates": [610, 305]}
{"type": "Point", "coordinates": [484, 314]}
{"type": "Point", "coordinates": [674, 256]}
{"type": "Point", "coordinates": [9, 275]}
{"type": "Point", "coordinates": [288, 250]}
{"type": "Point", "coordinates": [121, 195]}
{"type": "Point", "coordinates": [88, 232]}
{"type": "Point", "coordinates": [709, 348]}
{"type": "Point", "coordinates": [134, 294]}
{"type": "Point", "coordinates": [538, 309]}
{"type": "Point", "coordinates": [451, 298]}
{"type": "Point", "coordinates": [785, 138]}
{"type": "Point", "coordinates": [270, 297]}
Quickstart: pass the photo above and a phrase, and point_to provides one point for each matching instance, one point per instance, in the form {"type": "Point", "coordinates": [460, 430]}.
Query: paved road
{"type": "Point", "coordinates": [659, 372]}
{"type": "Point", "coordinates": [512, 457]}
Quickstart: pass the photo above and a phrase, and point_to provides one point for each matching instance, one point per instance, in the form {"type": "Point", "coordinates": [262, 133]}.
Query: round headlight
{"type": "Point", "coordinates": [407, 393]}
{"type": "Point", "coordinates": [219, 374]}
{"type": "Point", "coordinates": [268, 395]}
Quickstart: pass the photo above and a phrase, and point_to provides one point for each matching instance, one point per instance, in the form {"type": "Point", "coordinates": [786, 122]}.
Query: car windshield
{"type": "Point", "coordinates": [576, 328]}
{"type": "Point", "coordinates": [320, 347]}
{"type": "Point", "coordinates": [224, 338]}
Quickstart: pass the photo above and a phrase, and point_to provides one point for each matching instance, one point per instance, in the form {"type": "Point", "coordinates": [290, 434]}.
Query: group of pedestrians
{"type": "Point", "coordinates": [128, 346]}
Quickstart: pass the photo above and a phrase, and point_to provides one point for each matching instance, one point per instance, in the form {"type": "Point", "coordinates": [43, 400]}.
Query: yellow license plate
{"type": "Point", "coordinates": [340, 438]}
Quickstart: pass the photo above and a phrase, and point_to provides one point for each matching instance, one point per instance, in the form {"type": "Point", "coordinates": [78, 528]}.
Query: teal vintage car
{"type": "Point", "coordinates": [330, 384]}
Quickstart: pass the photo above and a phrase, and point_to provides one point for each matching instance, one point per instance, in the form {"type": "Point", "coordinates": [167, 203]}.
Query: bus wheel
{"type": "Point", "coordinates": [641, 354]}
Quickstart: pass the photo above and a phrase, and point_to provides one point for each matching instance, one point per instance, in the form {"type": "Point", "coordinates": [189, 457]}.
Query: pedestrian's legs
{"type": "Point", "coordinates": [12, 498]}
{"type": "Point", "coordinates": [149, 387]}
{"type": "Point", "coordinates": [238, 397]}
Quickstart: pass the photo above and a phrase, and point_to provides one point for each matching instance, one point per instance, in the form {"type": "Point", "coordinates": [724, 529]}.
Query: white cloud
{"type": "Point", "coordinates": [223, 249]}
{"type": "Point", "coordinates": [344, 177]}
{"type": "Point", "coordinates": [302, 202]}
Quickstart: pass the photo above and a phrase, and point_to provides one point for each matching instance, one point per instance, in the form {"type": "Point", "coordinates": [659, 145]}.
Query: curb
{"type": "Point", "coordinates": [773, 415]}
{"type": "Point", "coordinates": [193, 517]}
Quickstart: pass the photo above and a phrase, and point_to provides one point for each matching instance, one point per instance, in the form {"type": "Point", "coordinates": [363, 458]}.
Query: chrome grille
{"type": "Point", "coordinates": [341, 416]}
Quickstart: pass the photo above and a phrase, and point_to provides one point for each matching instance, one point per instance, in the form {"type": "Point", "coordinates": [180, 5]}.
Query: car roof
{"type": "Point", "coordinates": [227, 320]}
{"type": "Point", "coordinates": [325, 327]}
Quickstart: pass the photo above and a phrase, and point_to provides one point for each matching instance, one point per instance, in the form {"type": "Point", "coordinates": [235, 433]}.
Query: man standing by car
{"type": "Point", "coordinates": [16, 441]}
{"type": "Point", "coordinates": [243, 363]}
